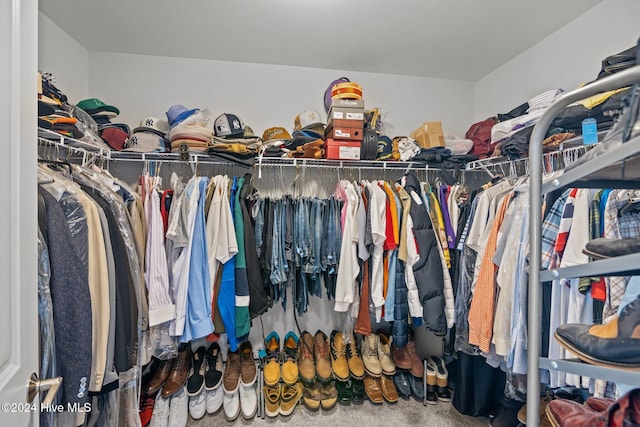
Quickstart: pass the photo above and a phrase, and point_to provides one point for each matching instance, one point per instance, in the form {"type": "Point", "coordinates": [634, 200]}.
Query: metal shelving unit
{"type": "Point", "coordinates": [609, 168]}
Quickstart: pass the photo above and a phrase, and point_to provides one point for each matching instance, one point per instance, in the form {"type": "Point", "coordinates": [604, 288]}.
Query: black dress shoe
{"type": "Point", "coordinates": [344, 392]}
{"type": "Point", "coordinates": [357, 391]}
{"type": "Point", "coordinates": [415, 384]}
{"type": "Point", "coordinates": [606, 248]}
{"type": "Point", "coordinates": [400, 380]}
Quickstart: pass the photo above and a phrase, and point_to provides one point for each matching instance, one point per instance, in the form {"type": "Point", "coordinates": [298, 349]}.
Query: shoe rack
{"type": "Point", "coordinates": [616, 166]}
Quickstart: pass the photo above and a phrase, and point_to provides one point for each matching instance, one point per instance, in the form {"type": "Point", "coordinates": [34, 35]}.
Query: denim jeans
{"type": "Point", "coordinates": [390, 300]}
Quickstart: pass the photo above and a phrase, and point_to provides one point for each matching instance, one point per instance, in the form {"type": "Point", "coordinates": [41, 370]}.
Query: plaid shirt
{"type": "Point", "coordinates": [550, 228]}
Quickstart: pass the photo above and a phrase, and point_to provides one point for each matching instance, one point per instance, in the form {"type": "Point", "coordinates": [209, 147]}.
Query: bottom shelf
{"type": "Point", "coordinates": [577, 367]}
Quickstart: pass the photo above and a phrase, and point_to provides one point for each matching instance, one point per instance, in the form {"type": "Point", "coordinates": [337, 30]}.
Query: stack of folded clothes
{"type": "Point", "coordinates": [233, 141]}
{"type": "Point", "coordinates": [115, 135]}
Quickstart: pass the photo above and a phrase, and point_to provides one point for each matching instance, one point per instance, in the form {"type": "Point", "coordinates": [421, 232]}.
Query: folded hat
{"type": "Point", "coordinates": [115, 137]}
{"type": "Point", "coordinates": [145, 142]}
{"type": "Point", "coordinates": [95, 105]}
{"type": "Point", "coordinates": [306, 120]}
{"type": "Point", "coordinates": [153, 124]}
{"type": "Point", "coordinates": [228, 126]}
{"type": "Point", "coordinates": [191, 132]}
{"type": "Point", "coordinates": [45, 109]}
{"type": "Point", "coordinates": [123, 126]}
{"type": "Point", "coordinates": [275, 133]}
{"type": "Point", "coordinates": [177, 113]}
{"type": "Point", "coordinates": [67, 129]}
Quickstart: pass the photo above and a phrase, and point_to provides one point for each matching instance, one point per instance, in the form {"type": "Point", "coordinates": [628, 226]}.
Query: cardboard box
{"type": "Point", "coordinates": [341, 113]}
{"type": "Point", "coordinates": [429, 135]}
{"type": "Point", "coordinates": [348, 103]}
{"type": "Point", "coordinates": [342, 150]}
{"type": "Point", "coordinates": [347, 123]}
{"type": "Point", "coordinates": [344, 133]}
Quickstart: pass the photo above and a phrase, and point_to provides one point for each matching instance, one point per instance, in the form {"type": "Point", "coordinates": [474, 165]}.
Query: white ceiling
{"type": "Point", "coordinates": [456, 39]}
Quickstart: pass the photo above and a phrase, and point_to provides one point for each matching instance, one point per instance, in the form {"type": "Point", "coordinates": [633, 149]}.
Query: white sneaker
{"type": "Point", "coordinates": [214, 399]}
{"type": "Point", "coordinates": [231, 405]}
{"type": "Point", "coordinates": [198, 405]}
{"type": "Point", "coordinates": [248, 401]}
{"type": "Point", "coordinates": [179, 409]}
{"type": "Point", "coordinates": [160, 416]}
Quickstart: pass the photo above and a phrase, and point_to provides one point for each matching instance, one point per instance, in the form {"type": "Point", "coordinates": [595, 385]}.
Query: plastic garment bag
{"type": "Point", "coordinates": [129, 407]}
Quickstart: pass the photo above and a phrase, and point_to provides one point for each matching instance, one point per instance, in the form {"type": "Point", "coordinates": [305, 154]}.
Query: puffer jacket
{"type": "Point", "coordinates": [428, 269]}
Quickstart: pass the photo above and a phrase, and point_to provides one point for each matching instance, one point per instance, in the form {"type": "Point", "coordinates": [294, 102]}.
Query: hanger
{"type": "Point", "coordinates": [632, 205]}
{"type": "Point", "coordinates": [57, 163]}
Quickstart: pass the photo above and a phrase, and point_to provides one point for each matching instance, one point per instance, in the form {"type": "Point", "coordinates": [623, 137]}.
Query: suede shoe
{"type": "Point", "coordinates": [329, 395]}
{"type": "Point", "coordinates": [389, 391]}
{"type": "Point", "coordinates": [401, 383]}
{"type": "Point", "coordinates": [373, 390]}
{"type": "Point", "coordinates": [339, 364]}
{"type": "Point", "coordinates": [195, 382]}
{"type": "Point", "coordinates": [289, 398]}
{"type": "Point", "coordinates": [615, 344]}
{"type": "Point", "coordinates": [290, 359]}
{"type": "Point", "coordinates": [400, 357]}
{"type": "Point", "coordinates": [603, 248]}
{"type": "Point", "coordinates": [231, 376]}
{"type": "Point", "coordinates": [321, 356]}
{"type": "Point", "coordinates": [178, 376]}
{"type": "Point", "coordinates": [311, 395]}
{"type": "Point", "coordinates": [272, 367]}
{"type": "Point", "coordinates": [160, 376]}
{"type": "Point", "coordinates": [567, 413]}
{"type": "Point", "coordinates": [272, 400]}
{"type": "Point", "coordinates": [306, 366]}
{"type": "Point", "coordinates": [417, 367]}
{"type": "Point", "coordinates": [248, 369]}
{"type": "Point", "coordinates": [369, 351]}
{"type": "Point", "coordinates": [384, 353]}
{"type": "Point", "coordinates": [356, 365]}
{"type": "Point", "coordinates": [231, 404]}
{"type": "Point", "coordinates": [213, 373]}
{"type": "Point", "coordinates": [599, 404]}
{"type": "Point", "coordinates": [248, 401]}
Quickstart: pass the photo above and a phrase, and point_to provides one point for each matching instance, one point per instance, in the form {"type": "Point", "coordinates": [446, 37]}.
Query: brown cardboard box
{"type": "Point", "coordinates": [346, 123]}
{"type": "Point", "coordinates": [344, 133]}
{"type": "Point", "coordinates": [429, 135]}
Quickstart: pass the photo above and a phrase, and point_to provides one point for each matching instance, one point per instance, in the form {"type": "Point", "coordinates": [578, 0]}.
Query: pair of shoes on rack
{"type": "Point", "coordinates": [376, 354]}
{"type": "Point", "coordinates": [437, 380]}
{"type": "Point", "coordinates": [408, 385]}
{"type": "Point", "coordinates": [172, 410]}
{"type": "Point", "coordinates": [407, 358]}
{"type": "Point", "coordinates": [614, 344]}
{"type": "Point", "coordinates": [282, 398]}
{"type": "Point", "coordinates": [171, 374]}
{"type": "Point", "coordinates": [239, 383]}
{"type": "Point", "coordinates": [596, 412]}
{"type": "Point", "coordinates": [320, 394]}
{"type": "Point", "coordinates": [281, 363]}
{"type": "Point", "coordinates": [206, 371]}
{"type": "Point", "coordinates": [315, 355]}
{"type": "Point", "coordinates": [379, 389]}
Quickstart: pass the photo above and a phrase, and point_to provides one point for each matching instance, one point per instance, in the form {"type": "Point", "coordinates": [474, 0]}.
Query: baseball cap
{"type": "Point", "coordinates": [327, 92]}
{"type": "Point", "coordinates": [153, 124]}
{"type": "Point", "coordinates": [145, 142]}
{"type": "Point", "coordinates": [385, 148]}
{"type": "Point", "coordinates": [177, 113]}
{"type": "Point", "coordinates": [115, 137]}
{"type": "Point", "coordinates": [228, 126]}
{"type": "Point", "coordinates": [97, 106]}
{"type": "Point", "coordinates": [307, 119]}
{"type": "Point", "coordinates": [123, 126]}
{"type": "Point", "coordinates": [275, 133]}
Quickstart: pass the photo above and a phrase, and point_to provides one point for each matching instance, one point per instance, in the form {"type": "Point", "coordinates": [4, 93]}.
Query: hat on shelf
{"type": "Point", "coordinates": [385, 148]}
{"type": "Point", "coordinates": [45, 109]}
{"type": "Point", "coordinates": [309, 119]}
{"type": "Point", "coordinates": [275, 133]}
{"type": "Point", "coordinates": [123, 126]}
{"type": "Point", "coordinates": [115, 137]}
{"type": "Point", "coordinates": [97, 107]}
{"type": "Point", "coordinates": [327, 93]}
{"type": "Point", "coordinates": [177, 113]}
{"type": "Point", "coordinates": [47, 92]}
{"type": "Point", "coordinates": [145, 142]}
{"type": "Point", "coordinates": [228, 126]}
{"type": "Point", "coordinates": [153, 124]}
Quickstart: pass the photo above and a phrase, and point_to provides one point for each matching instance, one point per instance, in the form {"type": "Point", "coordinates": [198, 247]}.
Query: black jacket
{"type": "Point", "coordinates": [428, 269]}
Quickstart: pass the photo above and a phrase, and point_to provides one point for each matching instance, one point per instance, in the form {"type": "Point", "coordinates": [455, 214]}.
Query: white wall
{"type": "Point", "coordinates": [65, 58]}
{"type": "Point", "coordinates": [268, 95]}
{"type": "Point", "coordinates": [565, 59]}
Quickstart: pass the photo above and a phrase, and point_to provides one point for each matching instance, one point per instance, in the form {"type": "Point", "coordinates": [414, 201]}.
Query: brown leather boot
{"type": "Point", "coordinates": [400, 357]}
{"type": "Point", "coordinates": [178, 376]}
{"type": "Point", "coordinates": [306, 366]}
{"type": "Point", "coordinates": [160, 376]}
{"type": "Point", "coordinates": [321, 356]}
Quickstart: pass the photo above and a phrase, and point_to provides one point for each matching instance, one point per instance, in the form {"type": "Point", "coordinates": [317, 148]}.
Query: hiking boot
{"type": "Point", "coordinates": [356, 365]}
{"type": "Point", "coordinates": [369, 351]}
{"type": "Point", "coordinates": [384, 353]}
{"type": "Point", "coordinates": [231, 376]}
{"type": "Point", "coordinates": [339, 364]}
{"type": "Point", "coordinates": [400, 357]}
{"type": "Point", "coordinates": [321, 356]}
{"type": "Point", "coordinates": [306, 366]}
{"type": "Point", "coordinates": [417, 367]}
{"type": "Point", "coordinates": [272, 400]}
{"type": "Point", "coordinates": [615, 343]}
{"type": "Point", "coordinates": [272, 367]}
{"type": "Point", "coordinates": [248, 369]}
{"type": "Point", "coordinates": [290, 359]}
{"type": "Point", "coordinates": [442, 380]}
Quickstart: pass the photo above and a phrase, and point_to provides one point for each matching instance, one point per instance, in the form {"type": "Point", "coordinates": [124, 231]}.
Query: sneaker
{"type": "Point", "coordinates": [231, 376]}
{"type": "Point", "coordinates": [213, 372]}
{"type": "Point", "coordinates": [248, 369]}
{"type": "Point", "coordinates": [179, 409]}
{"type": "Point", "coordinates": [306, 366]}
{"type": "Point", "coordinates": [356, 366]}
{"type": "Point", "coordinates": [442, 380]}
{"type": "Point", "coordinates": [231, 405]}
{"type": "Point", "coordinates": [248, 401]}
{"type": "Point", "coordinates": [160, 416]}
{"type": "Point", "coordinates": [290, 359]}
{"type": "Point", "coordinates": [289, 398]}
{"type": "Point", "coordinates": [384, 353]}
{"type": "Point", "coordinates": [369, 351]}
{"type": "Point", "coordinates": [198, 405]}
{"type": "Point", "coordinates": [339, 364]}
{"type": "Point", "coordinates": [147, 402]}
{"type": "Point", "coordinates": [272, 400]}
{"type": "Point", "coordinates": [321, 356]}
{"type": "Point", "coordinates": [195, 382]}
{"type": "Point", "coordinates": [272, 367]}
{"type": "Point", "coordinates": [214, 399]}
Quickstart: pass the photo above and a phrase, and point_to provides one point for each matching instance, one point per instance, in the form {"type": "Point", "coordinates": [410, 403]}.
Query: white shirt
{"type": "Point", "coordinates": [346, 281]}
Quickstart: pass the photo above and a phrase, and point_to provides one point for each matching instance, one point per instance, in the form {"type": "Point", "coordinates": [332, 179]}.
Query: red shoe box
{"type": "Point", "coordinates": [342, 150]}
